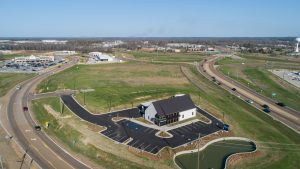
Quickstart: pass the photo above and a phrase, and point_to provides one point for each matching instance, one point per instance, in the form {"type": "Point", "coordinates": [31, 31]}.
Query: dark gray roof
{"type": "Point", "coordinates": [173, 105]}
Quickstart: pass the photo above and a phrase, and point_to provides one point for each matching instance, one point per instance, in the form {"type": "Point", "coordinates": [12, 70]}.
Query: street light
{"type": "Point", "coordinates": [198, 150]}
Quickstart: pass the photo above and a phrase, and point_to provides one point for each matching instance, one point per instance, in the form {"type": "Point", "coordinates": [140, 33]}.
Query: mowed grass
{"type": "Point", "coordinates": [8, 56]}
{"type": "Point", "coordinates": [10, 80]}
{"type": "Point", "coordinates": [262, 81]}
{"type": "Point", "coordinates": [277, 144]}
{"type": "Point", "coordinates": [168, 57]}
{"type": "Point", "coordinates": [73, 139]}
{"type": "Point", "coordinates": [119, 86]}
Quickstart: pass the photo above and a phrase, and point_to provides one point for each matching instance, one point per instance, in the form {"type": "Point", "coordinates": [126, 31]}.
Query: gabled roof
{"type": "Point", "coordinates": [173, 105]}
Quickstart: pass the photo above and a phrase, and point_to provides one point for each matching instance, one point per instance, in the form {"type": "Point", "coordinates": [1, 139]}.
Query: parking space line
{"type": "Point", "coordinates": [140, 145]}
{"type": "Point", "coordinates": [146, 147]}
{"type": "Point", "coordinates": [121, 138]}
{"type": "Point", "coordinates": [111, 134]}
{"type": "Point", "coordinates": [190, 128]}
{"type": "Point", "coordinates": [135, 143]}
{"type": "Point", "coordinates": [175, 132]}
{"type": "Point", "coordinates": [153, 148]}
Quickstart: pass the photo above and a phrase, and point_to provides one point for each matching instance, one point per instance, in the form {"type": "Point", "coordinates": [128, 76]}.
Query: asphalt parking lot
{"type": "Point", "coordinates": [142, 137]}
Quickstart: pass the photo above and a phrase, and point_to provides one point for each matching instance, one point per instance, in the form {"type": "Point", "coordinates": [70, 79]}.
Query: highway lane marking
{"type": "Point", "coordinates": [41, 155]}
{"type": "Point", "coordinates": [33, 139]}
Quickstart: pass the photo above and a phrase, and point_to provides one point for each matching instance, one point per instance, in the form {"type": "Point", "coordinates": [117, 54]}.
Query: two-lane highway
{"type": "Point", "coordinates": [287, 116]}
{"type": "Point", "coordinates": [43, 150]}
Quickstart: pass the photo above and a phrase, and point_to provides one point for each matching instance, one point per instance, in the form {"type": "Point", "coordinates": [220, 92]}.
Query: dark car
{"type": "Point", "coordinates": [281, 104]}
{"type": "Point", "coordinates": [267, 110]}
{"type": "Point", "coordinates": [226, 127]}
{"type": "Point", "coordinates": [233, 89]}
{"type": "Point", "coordinates": [219, 83]}
{"type": "Point", "coordinates": [37, 128]}
{"type": "Point", "coordinates": [265, 106]}
{"type": "Point", "coordinates": [25, 108]}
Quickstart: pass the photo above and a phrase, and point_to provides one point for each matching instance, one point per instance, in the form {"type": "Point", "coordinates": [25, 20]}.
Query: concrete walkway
{"type": "Point", "coordinates": [163, 128]}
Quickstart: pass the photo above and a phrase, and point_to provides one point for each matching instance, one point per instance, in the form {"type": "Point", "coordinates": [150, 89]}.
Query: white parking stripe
{"type": "Point", "coordinates": [111, 134]}
{"type": "Point", "coordinates": [153, 148]}
{"type": "Point", "coordinates": [121, 138]}
{"type": "Point", "coordinates": [140, 145]}
{"type": "Point", "coordinates": [147, 147]}
{"type": "Point", "coordinates": [135, 143]}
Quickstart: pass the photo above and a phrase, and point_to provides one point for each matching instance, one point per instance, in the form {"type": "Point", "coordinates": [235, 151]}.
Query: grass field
{"type": "Point", "coordinates": [9, 80]}
{"type": "Point", "coordinates": [279, 145]}
{"type": "Point", "coordinates": [168, 57]}
{"type": "Point", "coordinates": [255, 76]}
{"type": "Point", "coordinates": [8, 56]}
{"type": "Point", "coordinates": [119, 85]}
{"type": "Point", "coordinates": [65, 129]}
{"type": "Point", "coordinates": [135, 82]}
{"type": "Point", "coordinates": [215, 155]}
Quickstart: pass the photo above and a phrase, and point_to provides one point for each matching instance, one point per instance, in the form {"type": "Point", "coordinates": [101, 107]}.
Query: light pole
{"type": "Point", "coordinates": [198, 151]}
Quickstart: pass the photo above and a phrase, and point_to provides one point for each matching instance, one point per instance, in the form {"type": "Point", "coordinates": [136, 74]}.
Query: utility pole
{"type": "Point", "coordinates": [23, 159]}
{"type": "Point", "coordinates": [1, 163]}
{"type": "Point", "coordinates": [198, 151]}
{"type": "Point", "coordinates": [61, 106]}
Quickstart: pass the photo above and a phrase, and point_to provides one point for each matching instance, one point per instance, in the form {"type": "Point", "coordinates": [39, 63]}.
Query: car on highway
{"type": "Point", "coordinates": [281, 104]}
{"type": "Point", "coordinates": [249, 101]}
{"type": "Point", "coordinates": [267, 110]}
{"type": "Point", "coordinates": [25, 108]}
{"type": "Point", "coordinates": [18, 87]}
{"type": "Point", "coordinates": [265, 106]}
{"type": "Point", "coordinates": [38, 128]}
{"type": "Point", "coordinates": [233, 89]}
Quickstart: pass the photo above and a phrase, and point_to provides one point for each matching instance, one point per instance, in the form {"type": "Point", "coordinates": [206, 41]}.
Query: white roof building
{"type": "Point", "coordinates": [100, 56]}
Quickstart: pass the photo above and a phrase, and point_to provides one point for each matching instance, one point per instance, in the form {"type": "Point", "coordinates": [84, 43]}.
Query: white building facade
{"type": "Point", "coordinates": [162, 112]}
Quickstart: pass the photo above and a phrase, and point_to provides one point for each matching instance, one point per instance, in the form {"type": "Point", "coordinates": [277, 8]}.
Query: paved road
{"type": "Point", "coordinates": [39, 146]}
{"type": "Point", "coordinates": [142, 137]}
{"type": "Point", "coordinates": [287, 116]}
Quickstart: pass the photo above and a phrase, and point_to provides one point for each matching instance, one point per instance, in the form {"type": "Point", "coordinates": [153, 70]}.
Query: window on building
{"type": "Point", "coordinates": [148, 117]}
{"type": "Point", "coordinates": [192, 113]}
{"type": "Point", "coordinates": [182, 116]}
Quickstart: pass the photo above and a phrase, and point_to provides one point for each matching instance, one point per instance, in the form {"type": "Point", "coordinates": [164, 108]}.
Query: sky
{"type": "Point", "coordinates": [149, 18]}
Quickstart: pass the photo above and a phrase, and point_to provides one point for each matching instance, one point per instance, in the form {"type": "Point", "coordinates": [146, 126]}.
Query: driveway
{"type": "Point", "coordinates": [142, 137]}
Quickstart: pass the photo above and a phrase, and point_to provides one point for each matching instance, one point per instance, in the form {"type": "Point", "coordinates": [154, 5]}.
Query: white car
{"type": "Point", "coordinates": [18, 87]}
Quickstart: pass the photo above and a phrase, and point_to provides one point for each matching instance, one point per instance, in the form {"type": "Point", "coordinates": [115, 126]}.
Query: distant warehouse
{"type": "Point", "coordinates": [100, 56]}
{"type": "Point", "coordinates": [33, 59]}
{"type": "Point", "coordinates": [173, 109]}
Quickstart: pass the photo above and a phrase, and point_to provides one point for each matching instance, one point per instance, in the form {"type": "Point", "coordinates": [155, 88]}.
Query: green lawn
{"type": "Point", "coordinates": [137, 82]}
{"type": "Point", "coordinates": [118, 85]}
{"type": "Point", "coordinates": [9, 80]}
{"type": "Point", "coordinates": [215, 155]}
{"type": "Point", "coordinates": [8, 56]}
{"type": "Point", "coordinates": [278, 143]}
{"type": "Point", "coordinates": [167, 57]}
{"type": "Point", "coordinates": [72, 138]}
{"type": "Point", "coordinates": [260, 80]}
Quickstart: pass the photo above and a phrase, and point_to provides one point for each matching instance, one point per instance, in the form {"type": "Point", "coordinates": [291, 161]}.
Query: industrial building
{"type": "Point", "coordinates": [33, 59]}
{"type": "Point", "coordinates": [173, 109]}
{"type": "Point", "coordinates": [100, 56]}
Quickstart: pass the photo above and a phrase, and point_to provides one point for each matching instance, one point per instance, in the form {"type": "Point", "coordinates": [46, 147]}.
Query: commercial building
{"type": "Point", "coordinates": [173, 109]}
{"type": "Point", "coordinates": [100, 56]}
{"type": "Point", "coordinates": [33, 59]}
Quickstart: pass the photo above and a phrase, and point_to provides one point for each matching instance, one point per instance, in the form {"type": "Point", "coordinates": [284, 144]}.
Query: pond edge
{"type": "Point", "coordinates": [214, 141]}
